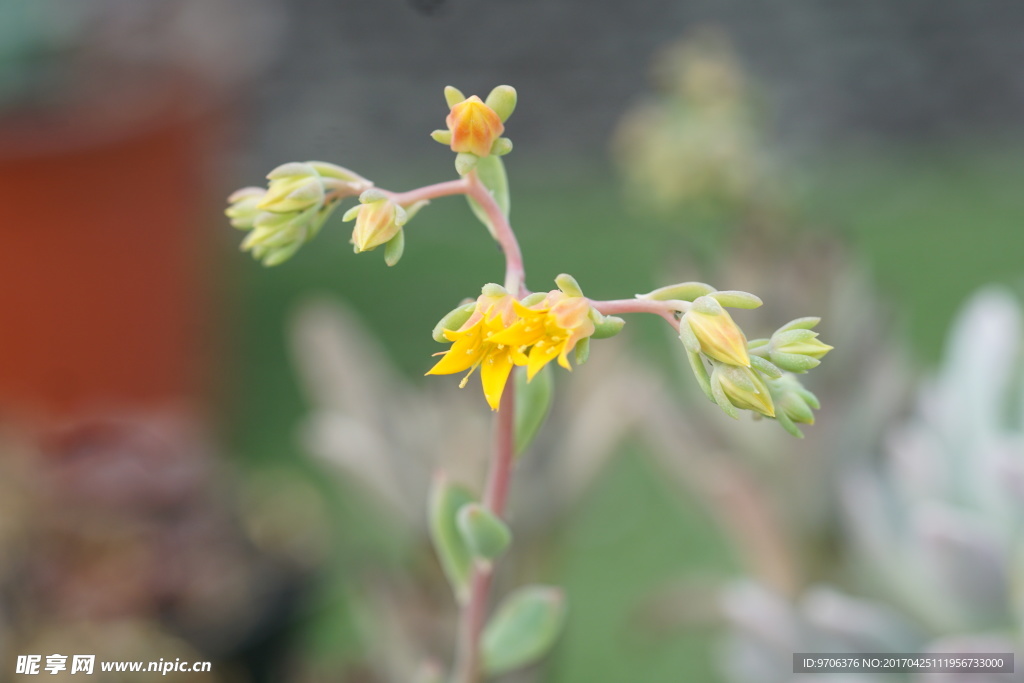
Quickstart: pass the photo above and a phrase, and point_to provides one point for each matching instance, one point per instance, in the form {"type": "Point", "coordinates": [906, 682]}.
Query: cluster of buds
{"type": "Point", "coordinates": [293, 207]}
{"type": "Point", "coordinates": [741, 375]}
{"type": "Point", "coordinates": [497, 332]}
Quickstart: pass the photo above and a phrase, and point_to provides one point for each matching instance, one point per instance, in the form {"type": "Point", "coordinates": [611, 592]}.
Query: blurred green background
{"type": "Point", "coordinates": [929, 223]}
{"type": "Point", "coordinates": [889, 132]}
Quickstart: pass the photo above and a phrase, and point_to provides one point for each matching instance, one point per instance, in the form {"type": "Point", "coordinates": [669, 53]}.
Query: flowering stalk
{"type": "Point", "coordinates": [499, 480]}
{"type": "Point", "coordinates": [515, 275]}
{"type": "Point", "coordinates": [507, 329]}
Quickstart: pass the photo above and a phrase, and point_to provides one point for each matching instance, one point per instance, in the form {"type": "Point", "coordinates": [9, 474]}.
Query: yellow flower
{"type": "Point", "coordinates": [474, 127]}
{"type": "Point", "coordinates": [551, 330]}
{"type": "Point", "coordinates": [472, 346]}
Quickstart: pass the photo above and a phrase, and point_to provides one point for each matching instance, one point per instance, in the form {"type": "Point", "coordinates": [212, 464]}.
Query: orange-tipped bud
{"type": "Point", "coordinates": [475, 127]}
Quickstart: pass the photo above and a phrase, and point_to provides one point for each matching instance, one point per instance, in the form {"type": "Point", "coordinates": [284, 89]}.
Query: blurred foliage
{"type": "Point", "coordinates": [925, 222]}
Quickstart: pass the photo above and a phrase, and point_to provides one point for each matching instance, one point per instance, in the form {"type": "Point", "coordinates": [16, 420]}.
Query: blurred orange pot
{"type": "Point", "coordinates": [101, 273]}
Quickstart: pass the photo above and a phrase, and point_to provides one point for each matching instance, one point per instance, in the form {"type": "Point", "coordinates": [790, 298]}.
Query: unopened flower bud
{"type": "Point", "coordinates": [377, 222]}
{"type": "Point", "coordinates": [712, 326]}
{"type": "Point", "coordinates": [568, 284]}
{"type": "Point", "coordinates": [453, 320]}
{"type": "Point", "coordinates": [329, 170]}
{"type": "Point", "coordinates": [606, 326]}
{"type": "Point", "coordinates": [794, 404]}
{"type": "Point", "coordinates": [684, 291]}
{"type": "Point", "coordinates": [474, 126]}
{"type": "Point", "coordinates": [293, 187]}
{"type": "Point", "coordinates": [796, 348]}
{"type": "Point", "coordinates": [743, 388]}
{"type": "Point", "coordinates": [243, 206]}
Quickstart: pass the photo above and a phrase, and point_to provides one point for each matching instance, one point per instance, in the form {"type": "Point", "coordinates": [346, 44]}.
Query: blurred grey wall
{"type": "Point", "coordinates": [360, 80]}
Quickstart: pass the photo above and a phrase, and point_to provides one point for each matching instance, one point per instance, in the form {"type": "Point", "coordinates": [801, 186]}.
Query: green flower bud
{"type": "Point", "coordinates": [465, 162]}
{"type": "Point", "coordinates": [276, 237]}
{"type": "Point", "coordinates": [243, 206]}
{"type": "Point", "coordinates": [719, 337]}
{"type": "Point", "coordinates": [684, 291]}
{"type": "Point", "coordinates": [736, 299]}
{"type": "Point", "coordinates": [800, 324]}
{"type": "Point", "coordinates": [605, 325]}
{"type": "Point", "coordinates": [503, 101]}
{"type": "Point", "coordinates": [567, 283]}
{"type": "Point", "coordinates": [523, 629]}
{"type": "Point", "coordinates": [485, 534]}
{"type": "Point", "coordinates": [279, 255]}
{"type": "Point", "coordinates": [796, 348]}
{"type": "Point", "coordinates": [739, 387]}
{"type": "Point", "coordinates": [329, 170]}
{"type": "Point", "coordinates": [453, 320]}
{"type": "Point", "coordinates": [794, 404]}
{"type": "Point", "coordinates": [292, 169]}
{"type": "Point", "coordinates": [501, 147]}
{"type": "Point", "coordinates": [535, 298]}
{"type": "Point", "coordinates": [293, 187]}
{"type": "Point", "coordinates": [765, 367]}
{"type": "Point", "coordinates": [801, 342]}
{"type": "Point", "coordinates": [292, 209]}
{"type": "Point", "coordinates": [493, 289]}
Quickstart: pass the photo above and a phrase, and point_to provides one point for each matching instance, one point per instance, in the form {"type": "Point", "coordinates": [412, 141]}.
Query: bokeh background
{"type": "Point", "coordinates": [211, 460]}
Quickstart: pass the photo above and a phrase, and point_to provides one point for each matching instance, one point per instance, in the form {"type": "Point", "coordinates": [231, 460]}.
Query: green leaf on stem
{"type": "Point", "coordinates": [483, 532]}
{"type": "Point", "coordinates": [523, 629]}
{"type": "Point", "coordinates": [446, 499]}
{"type": "Point", "coordinates": [533, 402]}
{"type": "Point", "coordinates": [394, 248]}
{"type": "Point", "coordinates": [491, 172]}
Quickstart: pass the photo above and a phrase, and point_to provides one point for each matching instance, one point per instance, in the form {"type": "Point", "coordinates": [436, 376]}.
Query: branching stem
{"type": "Point", "coordinates": [666, 309]}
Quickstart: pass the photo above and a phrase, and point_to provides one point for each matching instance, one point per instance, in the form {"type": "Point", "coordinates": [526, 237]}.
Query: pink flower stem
{"type": "Point", "coordinates": [470, 185]}
{"type": "Point", "coordinates": [468, 664]}
{"type": "Point", "coordinates": [515, 276]}
{"type": "Point", "coordinates": [445, 189]}
{"type": "Point", "coordinates": [666, 309]}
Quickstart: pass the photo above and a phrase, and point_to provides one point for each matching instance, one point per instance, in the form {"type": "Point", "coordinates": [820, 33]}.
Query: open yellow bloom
{"type": "Point", "coordinates": [551, 330]}
{"type": "Point", "coordinates": [473, 346]}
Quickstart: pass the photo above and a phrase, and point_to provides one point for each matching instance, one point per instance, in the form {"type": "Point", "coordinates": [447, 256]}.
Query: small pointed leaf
{"type": "Point", "coordinates": [485, 534]}
{"type": "Point", "coordinates": [523, 629]}
{"type": "Point", "coordinates": [446, 499]}
{"type": "Point", "coordinates": [491, 171]}
{"type": "Point", "coordinates": [533, 402]}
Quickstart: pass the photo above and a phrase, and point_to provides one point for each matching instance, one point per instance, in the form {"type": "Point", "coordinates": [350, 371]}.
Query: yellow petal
{"type": "Point", "coordinates": [465, 352]}
{"type": "Point", "coordinates": [494, 373]}
{"type": "Point", "coordinates": [542, 353]}
{"type": "Point", "coordinates": [519, 334]}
